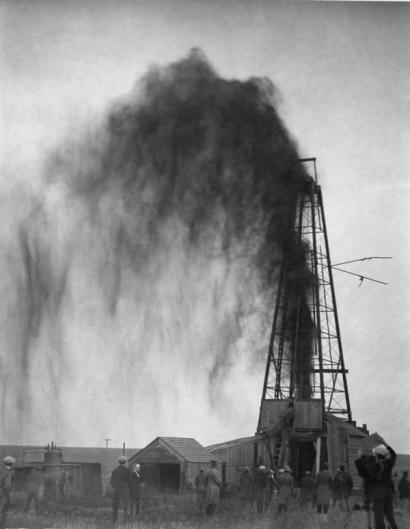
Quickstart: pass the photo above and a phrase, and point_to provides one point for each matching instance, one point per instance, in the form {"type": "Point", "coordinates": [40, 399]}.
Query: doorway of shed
{"type": "Point", "coordinates": [169, 477]}
{"type": "Point", "coordinates": [303, 458]}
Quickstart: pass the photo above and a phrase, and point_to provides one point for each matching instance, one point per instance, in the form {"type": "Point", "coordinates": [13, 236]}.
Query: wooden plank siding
{"type": "Point", "coordinates": [343, 442]}
{"type": "Point", "coordinates": [240, 454]}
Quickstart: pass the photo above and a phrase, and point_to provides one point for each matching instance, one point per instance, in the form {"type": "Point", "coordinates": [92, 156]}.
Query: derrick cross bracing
{"type": "Point", "coordinates": [305, 357]}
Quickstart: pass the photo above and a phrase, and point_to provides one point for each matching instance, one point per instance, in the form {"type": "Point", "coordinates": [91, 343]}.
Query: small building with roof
{"type": "Point", "coordinates": [170, 464]}
{"type": "Point", "coordinates": [89, 468]}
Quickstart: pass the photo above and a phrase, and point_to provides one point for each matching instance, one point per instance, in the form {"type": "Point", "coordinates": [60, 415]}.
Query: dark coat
{"type": "Point", "coordinates": [377, 475]}
{"type": "Point", "coordinates": [285, 486]}
{"type": "Point", "coordinates": [260, 479]}
{"type": "Point", "coordinates": [135, 484]}
{"type": "Point", "coordinates": [343, 484]}
{"type": "Point", "coordinates": [120, 479]}
{"type": "Point", "coordinates": [246, 485]}
{"type": "Point", "coordinates": [324, 487]}
{"type": "Point", "coordinates": [308, 486]}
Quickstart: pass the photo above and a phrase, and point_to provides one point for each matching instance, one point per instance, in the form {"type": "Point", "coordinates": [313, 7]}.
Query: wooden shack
{"type": "Point", "coordinates": [170, 464]}
{"type": "Point", "coordinates": [237, 454]}
{"type": "Point", "coordinates": [299, 435]}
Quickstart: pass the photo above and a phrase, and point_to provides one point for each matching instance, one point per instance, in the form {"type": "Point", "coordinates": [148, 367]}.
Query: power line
{"type": "Point", "coordinates": [359, 275]}
{"type": "Point", "coordinates": [362, 259]}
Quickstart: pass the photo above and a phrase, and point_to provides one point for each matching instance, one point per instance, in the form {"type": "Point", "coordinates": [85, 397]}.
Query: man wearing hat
{"type": "Point", "coordinates": [200, 487]}
{"type": "Point", "coordinates": [213, 487]}
{"type": "Point", "coordinates": [260, 481]}
{"type": "Point", "coordinates": [307, 490]}
{"type": "Point", "coordinates": [342, 486]}
{"type": "Point", "coordinates": [376, 470]}
{"type": "Point", "coordinates": [324, 490]}
{"type": "Point", "coordinates": [6, 484]}
{"type": "Point", "coordinates": [135, 490]}
{"type": "Point", "coordinates": [120, 481]}
{"type": "Point", "coordinates": [285, 489]}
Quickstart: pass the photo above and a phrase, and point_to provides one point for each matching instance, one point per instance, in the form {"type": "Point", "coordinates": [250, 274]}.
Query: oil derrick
{"type": "Point", "coordinates": [305, 376]}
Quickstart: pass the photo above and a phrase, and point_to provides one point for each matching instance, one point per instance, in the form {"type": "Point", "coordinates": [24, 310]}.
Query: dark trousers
{"type": "Point", "coordinates": [210, 510]}
{"type": "Point", "coordinates": [118, 499]}
{"type": "Point", "coordinates": [384, 508]}
{"type": "Point", "coordinates": [282, 507]}
{"type": "Point", "coordinates": [135, 504]}
{"type": "Point", "coordinates": [259, 500]}
{"type": "Point", "coordinates": [322, 507]}
{"type": "Point", "coordinates": [5, 505]}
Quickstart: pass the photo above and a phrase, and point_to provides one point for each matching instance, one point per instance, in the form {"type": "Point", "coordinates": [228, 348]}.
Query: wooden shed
{"type": "Point", "coordinates": [170, 464]}
{"type": "Point", "coordinates": [237, 454]}
{"type": "Point", "coordinates": [304, 439]}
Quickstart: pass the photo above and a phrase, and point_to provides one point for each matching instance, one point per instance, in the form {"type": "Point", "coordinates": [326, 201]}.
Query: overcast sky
{"type": "Point", "coordinates": [343, 77]}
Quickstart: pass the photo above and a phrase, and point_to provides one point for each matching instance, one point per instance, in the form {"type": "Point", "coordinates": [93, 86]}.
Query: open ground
{"type": "Point", "coordinates": [179, 512]}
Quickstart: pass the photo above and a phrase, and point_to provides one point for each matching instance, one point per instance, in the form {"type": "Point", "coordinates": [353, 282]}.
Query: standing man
{"type": "Point", "coordinates": [6, 484]}
{"type": "Point", "coordinates": [270, 488]}
{"type": "Point", "coordinates": [213, 487]}
{"type": "Point", "coordinates": [62, 481]}
{"type": "Point", "coordinates": [307, 490]}
{"type": "Point", "coordinates": [376, 470]}
{"type": "Point", "coordinates": [260, 480]}
{"type": "Point", "coordinates": [200, 486]}
{"type": "Point", "coordinates": [120, 481]}
{"type": "Point", "coordinates": [135, 491]}
{"type": "Point", "coordinates": [285, 489]}
{"type": "Point", "coordinates": [324, 484]}
{"type": "Point", "coordinates": [32, 487]}
{"type": "Point", "coordinates": [246, 486]}
{"type": "Point", "coordinates": [343, 485]}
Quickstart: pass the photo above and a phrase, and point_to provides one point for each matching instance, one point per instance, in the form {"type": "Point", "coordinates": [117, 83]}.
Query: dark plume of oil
{"type": "Point", "coordinates": [175, 215]}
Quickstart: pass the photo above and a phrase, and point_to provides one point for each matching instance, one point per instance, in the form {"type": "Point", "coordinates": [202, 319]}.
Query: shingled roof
{"type": "Point", "coordinates": [186, 448]}
{"type": "Point", "coordinates": [189, 449]}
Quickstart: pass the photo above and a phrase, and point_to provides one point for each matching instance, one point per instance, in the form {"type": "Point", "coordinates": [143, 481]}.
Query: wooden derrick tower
{"type": "Point", "coordinates": [305, 376]}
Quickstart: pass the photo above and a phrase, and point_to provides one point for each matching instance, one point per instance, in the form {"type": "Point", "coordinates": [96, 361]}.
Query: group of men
{"type": "Point", "coordinates": [126, 484]}
{"type": "Point", "coordinates": [261, 485]}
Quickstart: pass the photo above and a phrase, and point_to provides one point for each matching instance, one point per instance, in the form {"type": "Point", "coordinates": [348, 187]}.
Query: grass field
{"type": "Point", "coordinates": [179, 512]}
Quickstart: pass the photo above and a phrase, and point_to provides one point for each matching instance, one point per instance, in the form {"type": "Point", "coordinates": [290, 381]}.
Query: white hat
{"type": "Point", "coordinates": [262, 467]}
{"type": "Point", "coordinates": [281, 471]}
{"type": "Point", "coordinates": [9, 460]}
{"type": "Point", "coordinates": [381, 451]}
